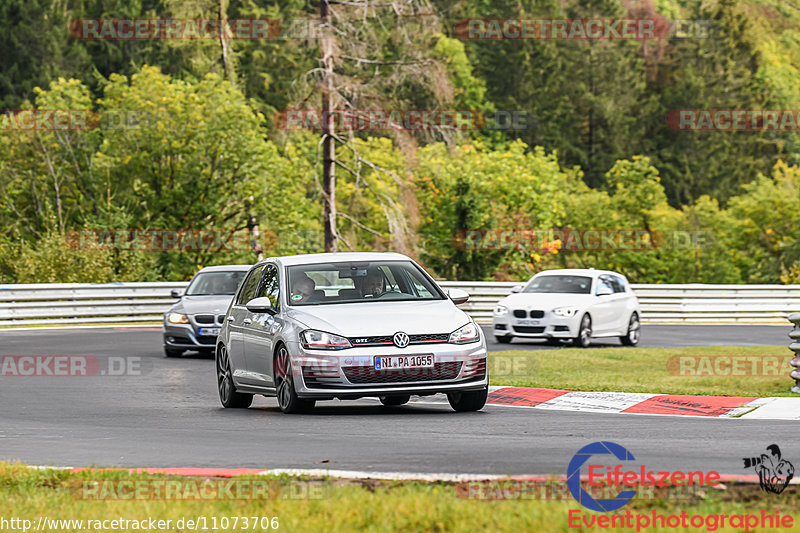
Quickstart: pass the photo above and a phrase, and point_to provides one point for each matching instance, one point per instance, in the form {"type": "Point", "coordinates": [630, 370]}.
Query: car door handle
{"type": "Point", "coordinates": [231, 319]}
{"type": "Point", "coordinates": [246, 321]}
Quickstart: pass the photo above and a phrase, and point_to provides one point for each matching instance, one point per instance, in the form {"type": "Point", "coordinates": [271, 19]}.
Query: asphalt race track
{"type": "Point", "coordinates": [672, 336]}
{"type": "Point", "coordinates": [167, 415]}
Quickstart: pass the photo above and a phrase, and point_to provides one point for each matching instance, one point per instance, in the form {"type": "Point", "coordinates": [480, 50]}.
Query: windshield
{"type": "Point", "coordinates": [363, 281]}
{"type": "Point", "coordinates": [215, 283]}
{"type": "Point", "coordinates": [560, 284]}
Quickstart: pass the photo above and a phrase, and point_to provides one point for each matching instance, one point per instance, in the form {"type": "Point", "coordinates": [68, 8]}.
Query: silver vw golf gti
{"type": "Point", "coordinates": [348, 325]}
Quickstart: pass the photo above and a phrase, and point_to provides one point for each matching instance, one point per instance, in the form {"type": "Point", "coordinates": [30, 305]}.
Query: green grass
{"type": "Point", "coordinates": [346, 506]}
{"type": "Point", "coordinates": [643, 370]}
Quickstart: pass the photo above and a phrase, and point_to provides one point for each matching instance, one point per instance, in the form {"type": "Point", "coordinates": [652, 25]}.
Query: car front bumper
{"type": "Point", "coordinates": [548, 327]}
{"type": "Point", "coordinates": [351, 373]}
{"type": "Point", "coordinates": [185, 337]}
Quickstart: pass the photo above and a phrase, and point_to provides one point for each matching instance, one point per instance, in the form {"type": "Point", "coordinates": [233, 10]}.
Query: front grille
{"type": "Point", "coordinates": [521, 313]}
{"type": "Point", "coordinates": [209, 319]}
{"type": "Point", "coordinates": [207, 339]}
{"type": "Point", "coordinates": [367, 374]}
{"type": "Point", "coordinates": [529, 329]}
{"type": "Point", "coordinates": [386, 340]}
{"type": "Point", "coordinates": [429, 338]}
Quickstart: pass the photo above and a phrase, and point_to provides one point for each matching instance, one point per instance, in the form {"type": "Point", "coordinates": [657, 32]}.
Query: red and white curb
{"type": "Point", "coordinates": [639, 403]}
{"type": "Point", "coordinates": [317, 473]}
{"type": "Point", "coordinates": [748, 407]}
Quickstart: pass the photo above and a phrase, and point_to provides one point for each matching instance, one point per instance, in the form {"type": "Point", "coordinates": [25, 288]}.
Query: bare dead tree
{"type": "Point", "coordinates": [355, 75]}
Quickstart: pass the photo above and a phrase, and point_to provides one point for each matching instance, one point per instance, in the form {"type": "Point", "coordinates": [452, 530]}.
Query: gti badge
{"type": "Point", "coordinates": [400, 339]}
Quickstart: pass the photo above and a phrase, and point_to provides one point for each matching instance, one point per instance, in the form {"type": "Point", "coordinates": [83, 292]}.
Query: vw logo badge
{"type": "Point", "coordinates": [400, 339]}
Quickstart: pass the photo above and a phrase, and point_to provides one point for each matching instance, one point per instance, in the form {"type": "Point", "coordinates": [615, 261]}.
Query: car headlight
{"type": "Point", "coordinates": [500, 310]}
{"type": "Point", "coordinates": [465, 334]}
{"type": "Point", "coordinates": [566, 312]}
{"type": "Point", "coordinates": [322, 340]}
{"type": "Point", "coordinates": [177, 318]}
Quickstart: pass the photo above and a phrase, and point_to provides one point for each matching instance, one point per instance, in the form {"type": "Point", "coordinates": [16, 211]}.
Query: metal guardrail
{"type": "Point", "coordinates": [685, 303]}
{"type": "Point", "coordinates": [65, 303]}
{"type": "Point", "coordinates": [85, 303]}
{"type": "Point", "coordinates": [795, 347]}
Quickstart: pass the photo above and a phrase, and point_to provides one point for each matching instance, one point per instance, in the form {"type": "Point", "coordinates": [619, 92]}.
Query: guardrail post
{"type": "Point", "coordinates": [794, 318]}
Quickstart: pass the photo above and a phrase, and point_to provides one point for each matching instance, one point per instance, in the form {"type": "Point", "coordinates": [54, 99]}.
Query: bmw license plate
{"type": "Point", "coordinates": [208, 331]}
{"type": "Point", "coordinates": [403, 361]}
{"type": "Point", "coordinates": [528, 322]}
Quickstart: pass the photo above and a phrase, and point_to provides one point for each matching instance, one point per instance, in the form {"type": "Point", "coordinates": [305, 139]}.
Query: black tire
{"type": "Point", "coordinates": [503, 340]}
{"type": "Point", "coordinates": [468, 400]}
{"type": "Point", "coordinates": [390, 401]}
{"type": "Point", "coordinates": [634, 331]}
{"type": "Point", "coordinates": [228, 397]}
{"type": "Point", "coordinates": [172, 352]}
{"type": "Point", "coordinates": [584, 338]}
{"type": "Point", "coordinates": [553, 342]}
{"type": "Point", "coordinates": [288, 400]}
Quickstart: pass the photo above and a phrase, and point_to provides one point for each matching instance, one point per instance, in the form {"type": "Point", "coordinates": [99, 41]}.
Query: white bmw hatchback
{"type": "Point", "coordinates": [569, 304]}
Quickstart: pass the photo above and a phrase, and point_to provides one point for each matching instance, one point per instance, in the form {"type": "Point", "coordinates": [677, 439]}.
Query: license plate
{"type": "Point", "coordinates": [403, 361]}
{"type": "Point", "coordinates": [528, 322]}
{"type": "Point", "coordinates": [208, 331]}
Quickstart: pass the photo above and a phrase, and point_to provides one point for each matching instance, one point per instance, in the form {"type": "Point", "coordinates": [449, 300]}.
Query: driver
{"type": "Point", "coordinates": [302, 289]}
{"type": "Point", "coordinates": [374, 284]}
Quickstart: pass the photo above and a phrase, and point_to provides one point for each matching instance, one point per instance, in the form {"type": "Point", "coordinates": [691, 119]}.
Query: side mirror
{"type": "Point", "coordinates": [176, 293]}
{"type": "Point", "coordinates": [458, 296]}
{"type": "Point", "coordinates": [604, 291]}
{"type": "Point", "coordinates": [517, 288]}
{"type": "Point", "coordinates": [260, 305]}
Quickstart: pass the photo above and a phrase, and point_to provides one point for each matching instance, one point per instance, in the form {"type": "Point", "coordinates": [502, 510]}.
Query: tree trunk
{"type": "Point", "coordinates": [227, 60]}
{"type": "Point", "coordinates": [328, 147]}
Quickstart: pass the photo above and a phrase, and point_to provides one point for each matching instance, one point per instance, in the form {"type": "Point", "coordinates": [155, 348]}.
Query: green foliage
{"type": "Point", "coordinates": [187, 145]}
{"type": "Point", "coordinates": [472, 188]}
{"type": "Point", "coordinates": [166, 154]}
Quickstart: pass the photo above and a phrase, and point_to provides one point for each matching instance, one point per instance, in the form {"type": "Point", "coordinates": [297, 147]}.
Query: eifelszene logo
{"type": "Point", "coordinates": [631, 476]}
{"type": "Point", "coordinates": [774, 473]}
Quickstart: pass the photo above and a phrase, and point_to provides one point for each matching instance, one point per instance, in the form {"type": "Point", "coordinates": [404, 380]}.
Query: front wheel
{"type": "Point", "coordinates": [584, 337]}
{"type": "Point", "coordinates": [634, 327]}
{"type": "Point", "coordinates": [288, 400]}
{"type": "Point", "coordinates": [228, 397]}
{"type": "Point", "coordinates": [468, 400]}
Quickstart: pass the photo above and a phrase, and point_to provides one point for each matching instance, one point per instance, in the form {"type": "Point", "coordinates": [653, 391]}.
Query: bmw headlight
{"type": "Point", "coordinates": [500, 310]}
{"type": "Point", "coordinates": [177, 318]}
{"type": "Point", "coordinates": [566, 312]}
{"type": "Point", "coordinates": [322, 340]}
{"type": "Point", "coordinates": [465, 334]}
